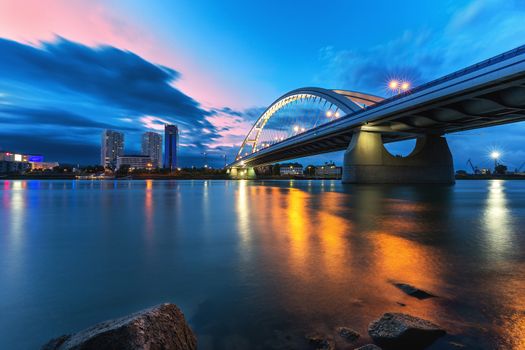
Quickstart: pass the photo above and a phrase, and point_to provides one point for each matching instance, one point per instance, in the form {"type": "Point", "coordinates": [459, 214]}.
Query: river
{"type": "Point", "coordinates": [258, 264]}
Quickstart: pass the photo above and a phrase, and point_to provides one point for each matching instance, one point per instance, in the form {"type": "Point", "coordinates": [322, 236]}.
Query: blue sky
{"type": "Point", "coordinates": [69, 69]}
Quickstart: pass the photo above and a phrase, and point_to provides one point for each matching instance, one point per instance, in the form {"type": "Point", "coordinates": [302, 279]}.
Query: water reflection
{"type": "Point", "coordinates": [497, 220]}
{"type": "Point", "coordinates": [14, 221]}
{"type": "Point", "coordinates": [300, 255]}
{"type": "Point", "coordinates": [148, 208]}
{"type": "Point", "coordinates": [243, 215]}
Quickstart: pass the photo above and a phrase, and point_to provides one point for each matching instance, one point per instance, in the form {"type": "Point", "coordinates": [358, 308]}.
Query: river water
{"type": "Point", "coordinates": [257, 265]}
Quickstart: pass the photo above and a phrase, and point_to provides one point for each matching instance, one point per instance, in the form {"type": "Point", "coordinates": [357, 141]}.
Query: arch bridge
{"type": "Point", "coordinates": [311, 121]}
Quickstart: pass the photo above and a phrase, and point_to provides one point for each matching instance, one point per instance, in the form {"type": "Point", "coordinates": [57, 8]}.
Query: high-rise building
{"type": "Point", "coordinates": [171, 138]}
{"type": "Point", "coordinates": [152, 147]}
{"type": "Point", "coordinates": [112, 146]}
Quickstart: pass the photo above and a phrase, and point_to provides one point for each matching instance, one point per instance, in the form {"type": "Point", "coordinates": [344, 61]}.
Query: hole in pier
{"type": "Point", "coordinates": [401, 148]}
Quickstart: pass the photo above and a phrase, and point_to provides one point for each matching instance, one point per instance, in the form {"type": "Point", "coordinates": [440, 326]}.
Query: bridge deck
{"type": "Point", "coordinates": [488, 93]}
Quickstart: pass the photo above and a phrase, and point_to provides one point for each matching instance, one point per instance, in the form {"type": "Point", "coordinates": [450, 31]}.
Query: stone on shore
{"type": "Point", "coordinates": [321, 341]}
{"type": "Point", "coordinates": [413, 291]}
{"type": "Point", "coordinates": [347, 333]}
{"type": "Point", "coordinates": [368, 347]}
{"type": "Point", "coordinates": [159, 327]}
{"type": "Point", "coordinates": [397, 330]}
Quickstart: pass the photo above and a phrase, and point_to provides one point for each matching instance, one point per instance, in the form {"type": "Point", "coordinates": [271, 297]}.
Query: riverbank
{"type": "Point", "coordinates": [219, 176]}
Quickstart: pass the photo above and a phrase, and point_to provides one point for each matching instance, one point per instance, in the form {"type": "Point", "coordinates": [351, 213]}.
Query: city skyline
{"type": "Point", "coordinates": [100, 76]}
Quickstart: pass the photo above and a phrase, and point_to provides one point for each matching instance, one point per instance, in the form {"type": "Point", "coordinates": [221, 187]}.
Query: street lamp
{"type": "Point", "coordinates": [398, 86]}
{"type": "Point", "coordinates": [393, 85]}
{"type": "Point", "coordinates": [495, 155]}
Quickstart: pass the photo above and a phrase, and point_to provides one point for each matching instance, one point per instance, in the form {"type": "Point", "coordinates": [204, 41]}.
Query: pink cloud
{"type": "Point", "coordinates": [231, 128]}
{"type": "Point", "coordinates": [88, 22]}
{"type": "Point", "coordinates": [95, 22]}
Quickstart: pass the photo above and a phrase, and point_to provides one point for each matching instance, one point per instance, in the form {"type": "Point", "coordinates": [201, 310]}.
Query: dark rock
{"type": "Point", "coordinates": [368, 347]}
{"type": "Point", "coordinates": [160, 327]}
{"type": "Point", "coordinates": [401, 304]}
{"type": "Point", "coordinates": [396, 330]}
{"type": "Point", "coordinates": [413, 291]}
{"type": "Point", "coordinates": [321, 341]}
{"type": "Point", "coordinates": [456, 345]}
{"type": "Point", "coordinates": [347, 333]}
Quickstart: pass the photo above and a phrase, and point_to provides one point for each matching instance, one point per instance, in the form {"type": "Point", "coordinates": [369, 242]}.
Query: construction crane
{"type": "Point", "coordinates": [518, 170]}
{"type": "Point", "coordinates": [475, 169]}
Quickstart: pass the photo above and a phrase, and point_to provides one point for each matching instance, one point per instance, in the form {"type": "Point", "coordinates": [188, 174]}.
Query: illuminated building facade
{"type": "Point", "coordinates": [12, 162]}
{"type": "Point", "coordinates": [135, 162]}
{"type": "Point", "coordinates": [112, 146]}
{"type": "Point", "coordinates": [329, 171]}
{"type": "Point", "coordinates": [171, 139]}
{"type": "Point", "coordinates": [291, 169]}
{"type": "Point", "coordinates": [152, 147]}
{"type": "Point", "coordinates": [19, 157]}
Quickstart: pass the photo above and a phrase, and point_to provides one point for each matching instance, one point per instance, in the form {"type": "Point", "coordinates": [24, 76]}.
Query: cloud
{"type": "Point", "coordinates": [30, 116]}
{"type": "Point", "coordinates": [370, 70]}
{"type": "Point", "coordinates": [114, 76]}
{"type": "Point", "coordinates": [81, 90]}
{"type": "Point", "coordinates": [422, 54]}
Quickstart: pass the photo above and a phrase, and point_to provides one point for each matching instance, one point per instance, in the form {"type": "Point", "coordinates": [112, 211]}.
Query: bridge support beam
{"type": "Point", "coordinates": [367, 161]}
{"type": "Point", "coordinates": [242, 173]}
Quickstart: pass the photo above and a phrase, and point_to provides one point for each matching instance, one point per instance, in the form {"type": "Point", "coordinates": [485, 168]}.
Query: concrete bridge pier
{"type": "Point", "coordinates": [367, 161]}
{"type": "Point", "coordinates": [242, 173]}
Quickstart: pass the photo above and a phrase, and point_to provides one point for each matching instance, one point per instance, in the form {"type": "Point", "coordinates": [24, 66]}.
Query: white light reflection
{"type": "Point", "coordinates": [243, 216]}
{"type": "Point", "coordinates": [16, 224]}
{"type": "Point", "coordinates": [498, 222]}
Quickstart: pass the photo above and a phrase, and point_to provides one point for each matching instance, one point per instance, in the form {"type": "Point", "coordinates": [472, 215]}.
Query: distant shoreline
{"type": "Point", "coordinates": [225, 177]}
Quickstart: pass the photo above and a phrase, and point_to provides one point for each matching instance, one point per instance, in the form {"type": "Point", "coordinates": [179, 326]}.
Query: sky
{"type": "Point", "coordinates": [70, 69]}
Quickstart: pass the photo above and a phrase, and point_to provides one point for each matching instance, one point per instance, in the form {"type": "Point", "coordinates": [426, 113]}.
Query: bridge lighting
{"type": "Point", "coordinates": [398, 86]}
{"type": "Point", "coordinates": [329, 113]}
{"type": "Point", "coordinates": [393, 84]}
{"type": "Point", "coordinates": [336, 114]}
{"type": "Point", "coordinates": [296, 128]}
{"type": "Point", "coordinates": [303, 129]}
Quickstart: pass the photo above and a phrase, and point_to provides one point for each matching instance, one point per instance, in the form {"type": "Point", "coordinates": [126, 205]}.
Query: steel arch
{"type": "Point", "coordinates": [346, 101]}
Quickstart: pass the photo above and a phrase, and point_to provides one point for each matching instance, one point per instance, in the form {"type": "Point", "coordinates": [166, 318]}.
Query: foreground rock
{"type": "Point", "coordinates": [321, 341]}
{"type": "Point", "coordinates": [368, 347]}
{"type": "Point", "coordinates": [160, 327]}
{"type": "Point", "coordinates": [347, 333]}
{"type": "Point", "coordinates": [396, 330]}
{"type": "Point", "coordinates": [413, 291]}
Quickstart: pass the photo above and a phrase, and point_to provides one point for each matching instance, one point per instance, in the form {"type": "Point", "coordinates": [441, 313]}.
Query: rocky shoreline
{"type": "Point", "coordinates": [160, 327]}
{"type": "Point", "coordinates": [164, 327]}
